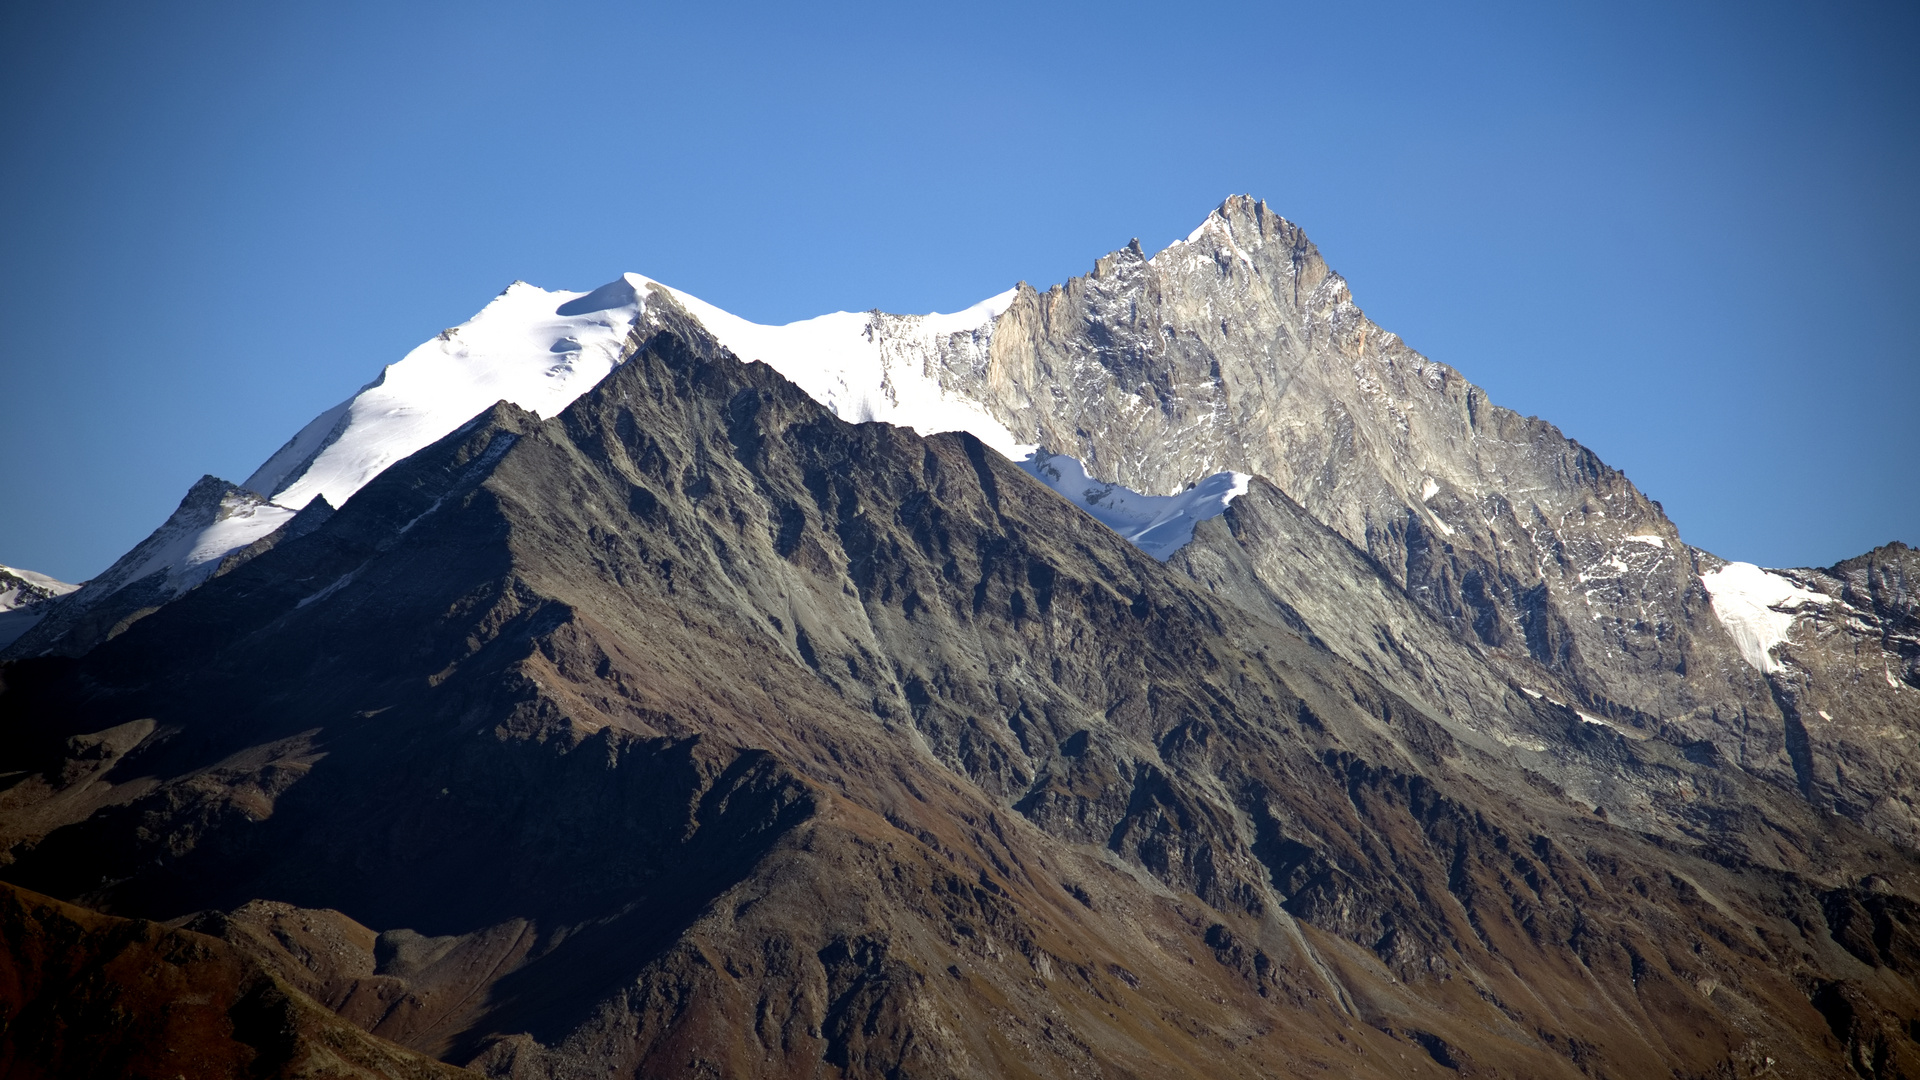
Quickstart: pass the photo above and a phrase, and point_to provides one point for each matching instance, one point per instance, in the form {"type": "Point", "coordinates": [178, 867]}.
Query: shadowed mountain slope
{"type": "Point", "coordinates": [90, 995]}
{"type": "Point", "coordinates": [698, 732]}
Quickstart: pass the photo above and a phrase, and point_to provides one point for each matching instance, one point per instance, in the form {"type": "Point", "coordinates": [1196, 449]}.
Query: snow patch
{"type": "Point", "coordinates": [1429, 489]}
{"type": "Point", "coordinates": [1757, 607]}
{"type": "Point", "coordinates": [24, 588]}
{"type": "Point", "coordinates": [869, 366]}
{"type": "Point", "coordinates": [1647, 538]}
{"type": "Point", "coordinates": [1156, 524]}
{"type": "Point", "coordinates": [189, 553]}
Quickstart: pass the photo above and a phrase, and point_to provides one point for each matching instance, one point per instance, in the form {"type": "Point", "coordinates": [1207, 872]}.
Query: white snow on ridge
{"type": "Point", "coordinates": [862, 371]}
{"type": "Point", "coordinates": [535, 348]}
{"type": "Point", "coordinates": [28, 588]}
{"type": "Point", "coordinates": [1156, 524]}
{"type": "Point", "coordinates": [1757, 607]}
{"type": "Point", "coordinates": [187, 549]}
{"type": "Point", "coordinates": [189, 555]}
{"type": "Point", "coordinates": [541, 349]}
{"type": "Point", "coordinates": [215, 519]}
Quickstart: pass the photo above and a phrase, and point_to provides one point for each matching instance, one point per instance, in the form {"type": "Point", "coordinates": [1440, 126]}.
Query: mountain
{"type": "Point", "coordinates": [24, 600]}
{"type": "Point", "coordinates": [213, 523]}
{"type": "Point", "coordinates": [716, 723]}
{"type": "Point", "coordinates": [87, 994]}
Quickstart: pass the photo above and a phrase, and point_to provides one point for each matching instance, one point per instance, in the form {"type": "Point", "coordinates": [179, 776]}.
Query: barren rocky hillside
{"type": "Point", "coordinates": [695, 731]}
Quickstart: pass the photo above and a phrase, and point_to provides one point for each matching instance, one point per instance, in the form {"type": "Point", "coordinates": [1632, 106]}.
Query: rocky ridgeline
{"type": "Point", "coordinates": [695, 730]}
{"type": "Point", "coordinates": [1238, 348]}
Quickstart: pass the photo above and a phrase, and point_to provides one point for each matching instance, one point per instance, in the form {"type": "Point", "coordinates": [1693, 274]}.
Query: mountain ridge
{"type": "Point", "coordinates": [1141, 831]}
{"type": "Point", "coordinates": [697, 728]}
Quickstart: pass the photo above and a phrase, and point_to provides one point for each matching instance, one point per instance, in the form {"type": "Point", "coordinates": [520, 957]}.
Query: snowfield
{"type": "Point", "coordinates": [1758, 608]}
{"type": "Point", "coordinates": [1156, 524]}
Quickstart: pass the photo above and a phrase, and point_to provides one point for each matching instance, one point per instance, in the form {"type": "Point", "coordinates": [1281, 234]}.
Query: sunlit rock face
{"type": "Point", "coordinates": [1239, 349]}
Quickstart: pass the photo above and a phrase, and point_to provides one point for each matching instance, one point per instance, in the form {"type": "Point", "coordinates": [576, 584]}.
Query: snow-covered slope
{"type": "Point", "coordinates": [1757, 607]}
{"type": "Point", "coordinates": [1156, 524]}
{"type": "Point", "coordinates": [25, 599]}
{"type": "Point", "coordinates": [215, 519]}
{"type": "Point", "coordinates": [869, 366]}
{"type": "Point", "coordinates": [535, 348]}
{"type": "Point", "coordinates": [541, 349]}
{"type": "Point", "coordinates": [24, 588]}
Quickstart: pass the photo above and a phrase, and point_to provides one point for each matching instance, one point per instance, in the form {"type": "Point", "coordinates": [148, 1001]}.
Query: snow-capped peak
{"type": "Point", "coordinates": [535, 348]}
{"type": "Point", "coordinates": [541, 349]}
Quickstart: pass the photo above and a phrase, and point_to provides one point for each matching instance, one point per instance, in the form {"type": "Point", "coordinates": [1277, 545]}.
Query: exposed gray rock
{"type": "Point", "coordinates": [1239, 348]}
{"type": "Point", "coordinates": [1848, 679]}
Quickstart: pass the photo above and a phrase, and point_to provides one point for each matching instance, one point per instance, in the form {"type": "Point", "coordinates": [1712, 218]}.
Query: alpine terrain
{"type": "Point", "coordinates": [1166, 674]}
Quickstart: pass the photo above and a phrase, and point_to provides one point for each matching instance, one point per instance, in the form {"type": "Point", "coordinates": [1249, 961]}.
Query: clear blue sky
{"type": "Point", "coordinates": [1685, 233]}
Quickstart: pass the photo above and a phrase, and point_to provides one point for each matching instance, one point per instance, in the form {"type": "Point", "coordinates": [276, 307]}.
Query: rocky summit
{"type": "Point", "coordinates": [725, 715]}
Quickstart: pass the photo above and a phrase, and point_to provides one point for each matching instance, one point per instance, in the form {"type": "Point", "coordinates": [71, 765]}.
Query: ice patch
{"type": "Point", "coordinates": [1757, 607]}
{"type": "Point", "coordinates": [188, 554]}
{"type": "Point", "coordinates": [1156, 524]}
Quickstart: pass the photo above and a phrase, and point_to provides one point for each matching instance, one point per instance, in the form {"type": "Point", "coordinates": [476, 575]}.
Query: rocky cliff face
{"type": "Point", "coordinates": [1847, 678]}
{"type": "Point", "coordinates": [1239, 348]}
{"type": "Point", "coordinates": [697, 731]}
